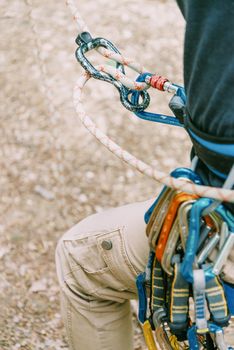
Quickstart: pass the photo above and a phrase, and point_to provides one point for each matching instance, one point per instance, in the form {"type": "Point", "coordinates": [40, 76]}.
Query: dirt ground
{"type": "Point", "coordinates": [53, 173]}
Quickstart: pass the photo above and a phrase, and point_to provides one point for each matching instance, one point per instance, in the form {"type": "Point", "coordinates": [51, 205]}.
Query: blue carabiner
{"type": "Point", "coordinates": [226, 216]}
{"type": "Point", "coordinates": [156, 117]}
{"type": "Point", "coordinates": [192, 338]}
{"type": "Point", "coordinates": [193, 239]}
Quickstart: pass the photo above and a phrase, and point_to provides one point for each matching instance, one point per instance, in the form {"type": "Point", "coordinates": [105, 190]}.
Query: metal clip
{"type": "Point", "coordinates": [156, 214]}
{"type": "Point", "coordinates": [223, 254]}
{"type": "Point", "coordinates": [87, 43]}
{"type": "Point", "coordinates": [162, 339]}
{"type": "Point", "coordinates": [148, 335]}
{"type": "Point", "coordinates": [228, 245]}
{"type": "Point", "coordinates": [183, 214]}
{"type": "Point", "coordinates": [158, 316]}
{"type": "Point", "coordinates": [193, 237]}
{"type": "Point", "coordinates": [224, 233]}
{"type": "Point", "coordinates": [207, 249]}
{"type": "Point", "coordinates": [170, 248]}
{"type": "Point", "coordinates": [194, 343]}
{"type": "Point", "coordinates": [168, 222]}
{"type": "Point", "coordinates": [156, 221]}
{"type": "Point", "coordinates": [219, 339]}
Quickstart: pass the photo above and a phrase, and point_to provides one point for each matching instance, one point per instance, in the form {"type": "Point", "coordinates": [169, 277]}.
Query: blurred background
{"type": "Point", "coordinates": [53, 173]}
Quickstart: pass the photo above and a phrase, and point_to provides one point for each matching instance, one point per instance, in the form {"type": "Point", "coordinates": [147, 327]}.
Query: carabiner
{"type": "Point", "coordinates": [87, 43]}
{"type": "Point", "coordinates": [154, 117]}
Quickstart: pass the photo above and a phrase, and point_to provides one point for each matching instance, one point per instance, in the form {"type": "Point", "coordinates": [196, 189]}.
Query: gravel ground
{"type": "Point", "coordinates": [53, 173]}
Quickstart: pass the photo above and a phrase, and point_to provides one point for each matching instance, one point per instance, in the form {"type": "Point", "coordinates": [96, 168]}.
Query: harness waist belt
{"type": "Point", "coordinates": [216, 153]}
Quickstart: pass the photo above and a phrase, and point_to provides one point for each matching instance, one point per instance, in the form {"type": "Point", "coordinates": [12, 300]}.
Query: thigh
{"type": "Point", "coordinates": [101, 256]}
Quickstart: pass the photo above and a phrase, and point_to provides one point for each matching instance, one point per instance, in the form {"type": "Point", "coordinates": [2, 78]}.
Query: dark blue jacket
{"type": "Point", "coordinates": [209, 71]}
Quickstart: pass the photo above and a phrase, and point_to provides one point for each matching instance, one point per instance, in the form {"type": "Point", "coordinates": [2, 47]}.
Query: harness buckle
{"type": "Point", "coordinates": [177, 106]}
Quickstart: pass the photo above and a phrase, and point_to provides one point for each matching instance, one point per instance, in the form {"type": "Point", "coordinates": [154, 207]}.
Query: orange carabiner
{"type": "Point", "coordinates": [168, 222]}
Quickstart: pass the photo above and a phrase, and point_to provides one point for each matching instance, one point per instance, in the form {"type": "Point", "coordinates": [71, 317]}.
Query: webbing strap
{"type": "Point", "coordinates": [158, 290]}
{"type": "Point", "coordinates": [179, 304]}
{"type": "Point", "coordinates": [199, 286]}
{"type": "Point", "coordinates": [217, 302]}
{"type": "Point", "coordinates": [220, 148]}
{"type": "Point", "coordinates": [216, 152]}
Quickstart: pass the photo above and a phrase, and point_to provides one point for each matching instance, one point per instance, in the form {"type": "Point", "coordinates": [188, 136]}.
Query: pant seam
{"type": "Point", "coordinates": [126, 256]}
{"type": "Point", "coordinates": [69, 323]}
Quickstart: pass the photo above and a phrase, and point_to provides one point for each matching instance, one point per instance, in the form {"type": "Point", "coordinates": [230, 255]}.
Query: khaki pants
{"type": "Point", "coordinates": [97, 263]}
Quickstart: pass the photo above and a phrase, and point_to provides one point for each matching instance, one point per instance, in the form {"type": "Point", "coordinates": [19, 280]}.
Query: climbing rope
{"type": "Point", "coordinates": [179, 264]}
{"type": "Point", "coordinates": [178, 184]}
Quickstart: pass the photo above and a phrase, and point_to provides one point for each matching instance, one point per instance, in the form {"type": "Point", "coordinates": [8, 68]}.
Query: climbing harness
{"type": "Point", "coordinates": [190, 231]}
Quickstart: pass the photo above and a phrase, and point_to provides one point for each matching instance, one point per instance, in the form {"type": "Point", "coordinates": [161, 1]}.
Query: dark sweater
{"type": "Point", "coordinates": [209, 71]}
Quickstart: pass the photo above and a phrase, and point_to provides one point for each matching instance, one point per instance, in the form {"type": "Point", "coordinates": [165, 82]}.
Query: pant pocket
{"type": "Point", "coordinates": [82, 251]}
{"type": "Point", "coordinates": [116, 258]}
{"type": "Point", "coordinates": [98, 261]}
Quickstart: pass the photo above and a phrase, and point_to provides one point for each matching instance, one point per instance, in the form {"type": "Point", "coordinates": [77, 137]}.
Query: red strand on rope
{"type": "Point", "coordinates": [158, 81]}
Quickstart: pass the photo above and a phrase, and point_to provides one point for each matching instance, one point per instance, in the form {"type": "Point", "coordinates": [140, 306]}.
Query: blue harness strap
{"type": "Point", "coordinates": [217, 153]}
{"type": "Point", "coordinates": [229, 291]}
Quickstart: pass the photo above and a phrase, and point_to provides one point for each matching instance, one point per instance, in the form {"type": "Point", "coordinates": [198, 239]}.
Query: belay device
{"type": "Point", "coordinates": [190, 236]}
